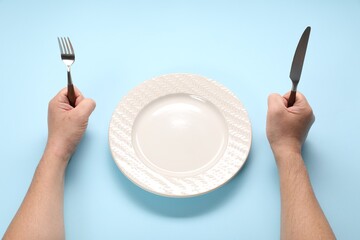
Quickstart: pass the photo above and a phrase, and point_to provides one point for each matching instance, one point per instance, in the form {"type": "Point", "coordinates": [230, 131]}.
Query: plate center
{"type": "Point", "coordinates": [180, 133]}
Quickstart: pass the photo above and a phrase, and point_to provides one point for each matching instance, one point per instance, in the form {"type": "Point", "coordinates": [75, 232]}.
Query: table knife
{"type": "Point", "coordinates": [297, 64]}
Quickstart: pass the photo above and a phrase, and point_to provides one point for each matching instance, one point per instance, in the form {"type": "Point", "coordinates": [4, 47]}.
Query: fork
{"type": "Point", "coordinates": [68, 57]}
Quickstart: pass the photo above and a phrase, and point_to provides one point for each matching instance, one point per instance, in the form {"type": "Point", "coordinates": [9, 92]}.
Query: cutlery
{"type": "Point", "coordinates": [68, 57]}
{"type": "Point", "coordinates": [297, 64]}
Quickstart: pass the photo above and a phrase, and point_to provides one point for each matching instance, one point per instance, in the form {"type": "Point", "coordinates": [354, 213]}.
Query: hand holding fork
{"type": "Point", "coordinates": [68, 57]}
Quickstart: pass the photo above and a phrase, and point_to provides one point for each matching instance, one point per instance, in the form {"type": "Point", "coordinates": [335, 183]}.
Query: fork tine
{"type": "Point", "coordinates": [67, 46]}
{"type": "Point", "coordinates": [61, 49]}
{"type": "Point", "coordinates": [64, 46]}
{"type": "Point", "coordinates": [71, 47]}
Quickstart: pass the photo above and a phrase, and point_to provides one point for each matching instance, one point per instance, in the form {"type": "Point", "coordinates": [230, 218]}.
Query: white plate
{"type": "Point", "coordinates": [180, 135]}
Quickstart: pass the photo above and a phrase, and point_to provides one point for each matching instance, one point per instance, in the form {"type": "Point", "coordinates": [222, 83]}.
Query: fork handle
{"type": "Point", "coordinates": [71, 91]}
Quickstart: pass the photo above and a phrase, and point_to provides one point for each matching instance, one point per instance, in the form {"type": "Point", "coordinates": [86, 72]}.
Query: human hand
{"type": "Point", "coordinates": [67, 124]}
{"type": "Point", "coordinates": [287, 128]}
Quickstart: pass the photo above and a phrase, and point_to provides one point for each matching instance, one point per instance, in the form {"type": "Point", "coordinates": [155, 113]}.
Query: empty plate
{"type": "Point", "coordinates": [180, 135]}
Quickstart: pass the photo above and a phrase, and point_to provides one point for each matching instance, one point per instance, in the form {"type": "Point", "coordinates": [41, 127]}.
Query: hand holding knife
{"type": "Point", "coordinates": [297, 64]}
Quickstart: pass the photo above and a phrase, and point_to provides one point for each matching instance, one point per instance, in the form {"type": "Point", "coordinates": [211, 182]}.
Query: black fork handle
{"type": "Point", "coordinates": [71, 91]}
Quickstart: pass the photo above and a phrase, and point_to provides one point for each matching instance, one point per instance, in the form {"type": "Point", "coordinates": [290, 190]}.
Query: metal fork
{"type": "Point", "coordinates": [68, 57]}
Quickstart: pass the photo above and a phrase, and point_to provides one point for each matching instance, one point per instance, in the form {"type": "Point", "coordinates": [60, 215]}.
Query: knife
{"type": "Point", "coordinates": [297, 64]}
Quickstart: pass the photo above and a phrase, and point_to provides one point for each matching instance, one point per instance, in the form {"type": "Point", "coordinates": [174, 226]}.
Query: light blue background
{"type": "Point", "coordinates": [245, 45]}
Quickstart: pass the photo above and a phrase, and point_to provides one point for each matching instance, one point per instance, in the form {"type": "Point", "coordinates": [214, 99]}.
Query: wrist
{"type": "Point", "coordinates": [53, 162]}
{"type": "Point", "coordinates": [279, 153]}
{"type": "Point", "coordinates": [59, 149]}
{"type": "Point", "coordinates": [57, 153]}
{"type": "Point", "coordinates": [285, 147]}
{"type": "Point", "coordinates": [289, 161]}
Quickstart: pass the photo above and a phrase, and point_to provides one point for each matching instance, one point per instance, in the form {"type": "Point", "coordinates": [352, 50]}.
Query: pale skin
{"type": "Point", "coordinates": [287, 129]}
{"type": "Point", "coordinates": [41, 214]}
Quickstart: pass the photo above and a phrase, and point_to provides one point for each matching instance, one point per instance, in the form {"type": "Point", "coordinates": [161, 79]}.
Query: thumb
{"type": "Point", "coordinates": [275, 99]}
{"type": "Point", "coordinates": [85, 107]}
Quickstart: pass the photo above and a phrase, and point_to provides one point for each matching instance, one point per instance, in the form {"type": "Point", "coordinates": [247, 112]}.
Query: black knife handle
{"type": "Point", "coordinates": [291, 100]}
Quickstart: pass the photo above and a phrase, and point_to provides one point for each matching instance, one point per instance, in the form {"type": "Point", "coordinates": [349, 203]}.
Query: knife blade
{"type": "Point", "coordinates": [297, 64]}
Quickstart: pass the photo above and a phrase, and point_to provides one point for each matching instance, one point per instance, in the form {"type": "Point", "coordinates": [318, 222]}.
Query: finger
{"type": "Point", "coordinates": [299, 101]}
{"type": "Point", "coordinates": [77, 92]}
{"type": "Point", "coordinates": [78, 95]}
{"type": "Point", "coordinates": [287, 95]}
{"type": "Point", "coordinates": [78, 100]}
{"type": "Point", "coordinates": [85, 107]}
{"type": "Point", "coordinates": [300, 96]}
{"type": "Point", "coordinates": [275, 99]}
{"type": "Point", "coordinates": [62, 92]}
{"type": "Point", "coordinates": [65, 90]}
{"type": "Point", "coordinates": [61, 96]}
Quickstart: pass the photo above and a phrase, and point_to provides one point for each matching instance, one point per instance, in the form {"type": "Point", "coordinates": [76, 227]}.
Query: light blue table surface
{"type": "Point", "coordinates": [247, 46]}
